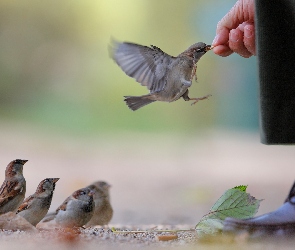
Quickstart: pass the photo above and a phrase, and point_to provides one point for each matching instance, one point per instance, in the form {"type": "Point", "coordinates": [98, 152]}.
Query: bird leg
{"type": "Point", "coordinates": [187, 98]}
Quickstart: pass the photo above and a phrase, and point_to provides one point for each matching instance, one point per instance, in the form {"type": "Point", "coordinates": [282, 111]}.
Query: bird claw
{"type": "Point", "coordinates": [199, 99]}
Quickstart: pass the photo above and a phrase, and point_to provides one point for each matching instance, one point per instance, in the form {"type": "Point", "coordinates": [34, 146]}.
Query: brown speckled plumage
{"type": "Point", "coordinates": [75, 211]}
{"type": "Point", "coordinates": [36, 206]}
{"type": "Point", "coordinates": [13, 189]}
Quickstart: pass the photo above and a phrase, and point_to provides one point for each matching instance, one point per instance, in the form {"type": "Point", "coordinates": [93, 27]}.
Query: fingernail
{"type": "Point", "coordinates": [233, 36]}
{"type": "Point", "coordinates": [215, 40]}
{"type": "Point", "coordinates": [248, 32]}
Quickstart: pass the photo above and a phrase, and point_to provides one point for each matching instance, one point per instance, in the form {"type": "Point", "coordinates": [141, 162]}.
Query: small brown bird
{"type": "Point", "coordinates": [103, 211]}
{"type": "Point", "coordinates": [36, 206]}
{"type": "Point", "coordinates": [13, 189]}
{"type": "Point", "coordinates": [75, 211]}
{"type": "Point", "coordinates": [168, 78]}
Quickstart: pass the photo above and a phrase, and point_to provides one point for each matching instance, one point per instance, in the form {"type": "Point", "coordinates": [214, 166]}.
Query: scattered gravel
{"type": "Point", "coordinates": [148, 238]}
{"type": "Point", "coordinates": [94, 237]}
{"type": "Point", "coordinates": [104, 238]}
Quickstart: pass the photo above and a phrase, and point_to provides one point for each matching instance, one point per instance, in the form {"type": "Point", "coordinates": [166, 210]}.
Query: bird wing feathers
{"type": "Point", "coordinates": [148, 65]}
{"type": "Point", "coordinates": [63, 206]}
{"type": "Point", "coordinates": [26, 204]}
{"type": "Point", "coordinates": [9, 190]}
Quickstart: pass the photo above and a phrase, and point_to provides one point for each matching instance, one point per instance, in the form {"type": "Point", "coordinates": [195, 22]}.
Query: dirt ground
{"type": "Point", "coordinates": [156, 179]}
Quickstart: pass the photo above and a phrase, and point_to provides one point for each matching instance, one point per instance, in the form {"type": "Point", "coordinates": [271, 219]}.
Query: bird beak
{"type": "Point", "coordinates": [91, 193]}
{"type": "Point", "coordinates": [208, 47]}
{"type": "Point", "coordinates": [55, 180]}
{"type": "Point", "coordinates": [23, 161]}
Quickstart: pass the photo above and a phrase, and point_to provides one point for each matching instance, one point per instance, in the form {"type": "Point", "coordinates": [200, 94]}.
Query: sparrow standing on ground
{"type": "Point", "coordinates": [75, 211]}
{"type": "Point", "coordinates": [13, 189]}
{"type": "Point", "coordinates": [103, 211]}
{"type": "Point", "coordinates": [168, 78]}
{"type": "Point", "coordinates": [36, 206]}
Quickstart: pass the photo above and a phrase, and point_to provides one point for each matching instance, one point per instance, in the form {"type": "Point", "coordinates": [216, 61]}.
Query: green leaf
{"type": "Point", "coordinates": [235, 203]}
{"type": "Point", "coordinates": [243, 188]}
{"type": "Point", "coordinates": [209, 226]}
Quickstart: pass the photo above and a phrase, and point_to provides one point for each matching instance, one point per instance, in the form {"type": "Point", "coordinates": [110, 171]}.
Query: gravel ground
{"type": "Point", "coordinates": [104, 238]}
{"type": "Point", "coordinates": [93, 238]}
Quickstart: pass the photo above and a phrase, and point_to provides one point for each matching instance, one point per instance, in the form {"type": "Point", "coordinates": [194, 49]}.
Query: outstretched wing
{"type": "Point", "coordinates": [148, 65]}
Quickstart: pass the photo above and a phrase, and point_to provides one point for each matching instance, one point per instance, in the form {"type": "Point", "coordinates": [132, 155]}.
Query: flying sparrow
{"type": "Point", "coordinates": [75, 211]}
{"type": "Point", "coordinates": [103, 211]}
{"type": "Point", "coordinates": [13, 189]}
{"type": "Point", "coordinates": [167, 78]}
{"type": "Point", "coordinates": [36, 206]}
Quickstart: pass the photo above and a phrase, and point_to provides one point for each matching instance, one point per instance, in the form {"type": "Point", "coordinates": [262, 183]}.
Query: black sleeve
{"type": "Point", "coordinates": [275, 44]}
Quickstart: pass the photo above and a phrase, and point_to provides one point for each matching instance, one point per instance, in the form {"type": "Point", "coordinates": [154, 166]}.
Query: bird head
{"type": "Point", "coordinates": [197, 50]}
{"type": "Point", "coordinates": [15, 167]}
{"type": "Point", "coordinates": [47, 186]}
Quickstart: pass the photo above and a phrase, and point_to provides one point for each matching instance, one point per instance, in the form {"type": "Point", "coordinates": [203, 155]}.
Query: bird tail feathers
{"type": "Point", "coordinates": [136, 102]}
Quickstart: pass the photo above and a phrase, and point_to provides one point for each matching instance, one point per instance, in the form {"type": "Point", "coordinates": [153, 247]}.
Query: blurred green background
{"type": "Point", "coordinates": [56, 72]}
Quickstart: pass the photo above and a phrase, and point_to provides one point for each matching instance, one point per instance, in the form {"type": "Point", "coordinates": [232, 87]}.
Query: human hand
{"type": "Point", "coordinates": [236, 31]}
